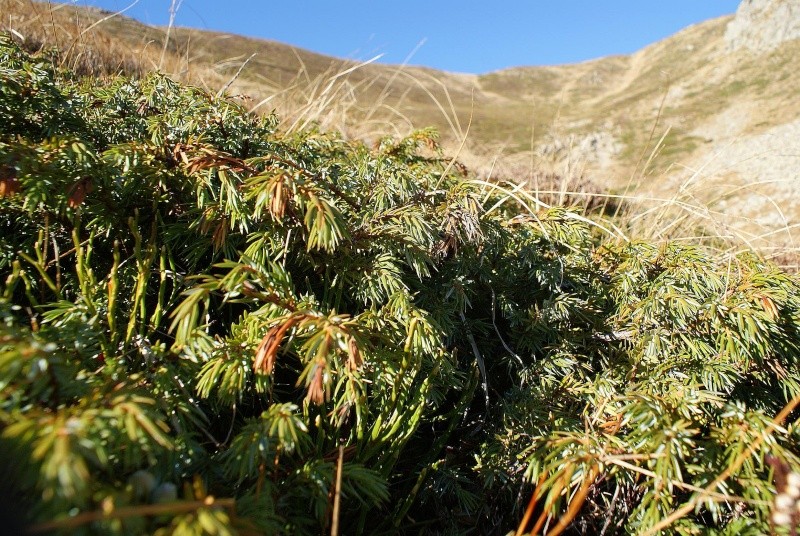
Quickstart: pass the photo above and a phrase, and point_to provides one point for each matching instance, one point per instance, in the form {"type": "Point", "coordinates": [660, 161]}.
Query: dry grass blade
{"type": "Point", "coordinates": [518, 194]}
{"type": "Point", "coordinates": [576, 503]}
{"type": "Point", "coordinates": [337, 493]}
{"type": "Point", "coordinates": [535, 496]}
{"type": "Point", "coordinates": [228, 84]}
{"type": "Point", "coordinates": [724, 475]}
{"type": "Point", "coordinates": [174, 7]}
{"type": "Point", "coordinates": [109, 17]}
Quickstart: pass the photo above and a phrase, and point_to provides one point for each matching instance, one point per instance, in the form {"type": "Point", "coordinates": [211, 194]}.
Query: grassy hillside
{"type": "Point", "coordinates": [506, 106]}
{"type": "Point", "coordinates": [643, 127]}
{"type": "Point", "coordinates": [620, 94]}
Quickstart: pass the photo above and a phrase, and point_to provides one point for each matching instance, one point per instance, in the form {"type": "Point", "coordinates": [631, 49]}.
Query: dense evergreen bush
{"type": "Point", "coordinates": [210, 327]}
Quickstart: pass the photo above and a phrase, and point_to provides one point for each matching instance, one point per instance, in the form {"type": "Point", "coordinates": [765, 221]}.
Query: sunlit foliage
{"type": "Point", "coordinates": [211, 327]}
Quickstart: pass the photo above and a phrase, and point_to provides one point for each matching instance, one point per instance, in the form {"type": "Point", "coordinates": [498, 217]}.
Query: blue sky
{"type": "Point", "coordinates": [462, 36]}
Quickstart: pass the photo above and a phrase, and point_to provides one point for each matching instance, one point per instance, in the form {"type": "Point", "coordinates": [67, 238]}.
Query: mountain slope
{"type": "Point", "coordinates": [632, 124]}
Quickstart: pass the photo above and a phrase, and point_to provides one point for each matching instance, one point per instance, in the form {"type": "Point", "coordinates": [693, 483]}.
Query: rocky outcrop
{"type": "Point", "coordinates": [762, 25]}
{"type": "Point", "coordinates": [596, 148]}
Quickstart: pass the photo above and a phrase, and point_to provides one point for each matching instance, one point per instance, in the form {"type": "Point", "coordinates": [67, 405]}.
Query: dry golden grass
{"type": "Point", "coordinates": [83, 48]}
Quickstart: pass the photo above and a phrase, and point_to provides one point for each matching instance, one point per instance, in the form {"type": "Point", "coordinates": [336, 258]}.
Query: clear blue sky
{"type": "Point", "coordinates": [463, 36]}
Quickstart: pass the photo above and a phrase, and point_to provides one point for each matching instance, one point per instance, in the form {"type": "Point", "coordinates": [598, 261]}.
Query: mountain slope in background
{"type": "Point", "coordinates": [706, 121]}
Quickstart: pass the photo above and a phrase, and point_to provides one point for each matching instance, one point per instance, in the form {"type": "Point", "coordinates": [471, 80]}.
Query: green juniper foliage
{"type": "Point", "coordinates": [205, 324]}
